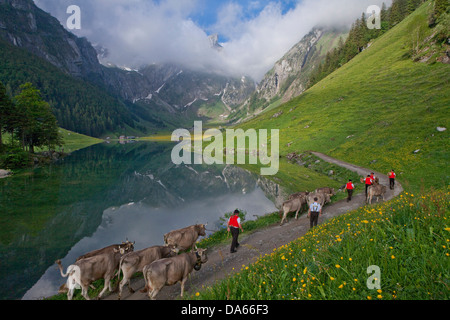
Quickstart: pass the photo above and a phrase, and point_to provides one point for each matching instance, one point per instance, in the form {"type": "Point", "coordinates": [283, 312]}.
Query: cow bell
{"type": "Point", "coordinates": [198, 266]}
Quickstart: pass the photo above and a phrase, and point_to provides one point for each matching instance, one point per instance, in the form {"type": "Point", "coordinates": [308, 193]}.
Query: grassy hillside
{"type": "Point", "coordinates": [376, 110]}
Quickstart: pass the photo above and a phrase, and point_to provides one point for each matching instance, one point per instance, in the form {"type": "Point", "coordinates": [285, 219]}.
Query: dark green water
{"type": "Point", "coordinates": [104, 195]}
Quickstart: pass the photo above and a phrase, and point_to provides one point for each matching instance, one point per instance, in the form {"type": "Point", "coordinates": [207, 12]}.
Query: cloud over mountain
{"type": "Point", "coordinates": [255, 34]}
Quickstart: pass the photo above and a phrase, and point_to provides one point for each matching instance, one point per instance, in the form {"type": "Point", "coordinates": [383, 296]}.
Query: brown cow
{"type": "Point", "coordinates": [136, 261]}
{"type": "Point", "coordinates": [298, 194]}
{"type": "Point", "coordinates": [295, 204]}
{"type": "Point", "coordinates": [326, 190]}
{"type": "Point", "coordinates": [184, 239]}
{"type": "Point", "coordinates": [322, 198]}
{"type": "Point", "coordinates": [85, 271]}
{"type": "Point", "coordinates": [375, 191]}
{"type": "Point", "coordinates": [169, 271]}
{"type": "Point", "coordinates": [126, 246]}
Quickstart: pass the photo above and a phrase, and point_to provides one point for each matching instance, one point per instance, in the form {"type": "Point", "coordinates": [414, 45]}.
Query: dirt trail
{"type": "Point", "coordinates": [222, 263]}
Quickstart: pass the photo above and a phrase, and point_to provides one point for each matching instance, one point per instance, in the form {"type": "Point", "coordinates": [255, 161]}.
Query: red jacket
{"type": "Point", "coordinates": [369, 181]}
{"type": "Point", "coordinates": [349, 186]}
{"type": "Point", "coordinates": [233, 222]}
{"type": "Point", "coordinates": [392, 175]}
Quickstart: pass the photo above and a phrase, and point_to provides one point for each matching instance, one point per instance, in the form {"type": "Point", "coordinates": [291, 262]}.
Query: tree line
{"type": "Point", "coordinates": [28, 120]}
{"type": "Point", "coordinates": [360, 35]}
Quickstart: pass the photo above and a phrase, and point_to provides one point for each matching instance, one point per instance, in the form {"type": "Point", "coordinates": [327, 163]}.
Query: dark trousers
{"type": "Point", "coordinates": [235, 234]}
{"type": "Point", "coordinates": [392, 183]}
{"type": "Point", "coordinates": [367, 186]}
{"type": "Point", "coordinates": [350, 193]}
{"type": "Point", "coordinates": [314, 218]}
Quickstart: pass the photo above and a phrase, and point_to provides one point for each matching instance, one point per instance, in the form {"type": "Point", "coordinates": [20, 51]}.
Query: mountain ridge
{"type": "Point", "coordinates": [290, 75]}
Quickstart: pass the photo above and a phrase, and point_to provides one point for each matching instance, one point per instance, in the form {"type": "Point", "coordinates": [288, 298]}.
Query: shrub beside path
{"type": "Point", "coordinates": [221, 263]}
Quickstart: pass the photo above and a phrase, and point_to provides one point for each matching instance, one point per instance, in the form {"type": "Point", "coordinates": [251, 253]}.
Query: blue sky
{"type": "Point", "coordinates": [254, 33]}
{"type": "Point", "coordinates": [208, 9]}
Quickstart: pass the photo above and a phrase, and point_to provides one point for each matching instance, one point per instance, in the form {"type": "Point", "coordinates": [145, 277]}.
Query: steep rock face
{"type": "Point", "coordinates": [25, 25]}
{"type": "Point", "coordinates": [290, 75]}
{"type": "Point", "coordinates": [177, 88]}
{"type": "Point", "coordinates": [237, 91]}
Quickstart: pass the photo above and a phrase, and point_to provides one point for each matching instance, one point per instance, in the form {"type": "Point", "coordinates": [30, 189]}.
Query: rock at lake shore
{"type": "Point", "coordinates": [4, 173]}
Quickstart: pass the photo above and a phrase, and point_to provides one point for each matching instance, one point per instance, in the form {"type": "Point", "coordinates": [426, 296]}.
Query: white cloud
{"type": "Point", "coordinates": [139, 32]}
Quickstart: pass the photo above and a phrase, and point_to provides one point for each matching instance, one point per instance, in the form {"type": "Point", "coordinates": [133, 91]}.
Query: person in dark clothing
{"type": "Point", "coordinates": [392, 176]}
{"type": "Point", "coordinates": [368, 180]}
{"type": "Point", "coordinates": [349, 187]}
{"type": "Point", "coordinates": [233, 226]}
{"type": "Point", "coordinates": [315, 210]}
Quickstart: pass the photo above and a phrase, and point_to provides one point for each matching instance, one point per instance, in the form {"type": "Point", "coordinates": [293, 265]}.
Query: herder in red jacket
{"type": "Point", "coordinates": [392, 176]}
{"type": "Point", "coordinates": [234, 224]}
{"type": "Point", "coordinates": [369, 181]}
{"type": "Point", "coordinates": [349, 187]}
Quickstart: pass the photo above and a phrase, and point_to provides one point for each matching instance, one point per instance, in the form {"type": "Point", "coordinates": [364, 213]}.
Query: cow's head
{"type": "Point", "coordinates": [169, 251]}
{"type": "Point", "coordinates": [202, 229]}
{"type": "Point", "coordinates": [125, 247]}
{"type": "Point", "coordinates": [201, 258]}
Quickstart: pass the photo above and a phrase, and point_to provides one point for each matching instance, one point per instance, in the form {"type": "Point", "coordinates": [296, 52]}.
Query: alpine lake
{"type": "Point", "coordinates": [107, 194]}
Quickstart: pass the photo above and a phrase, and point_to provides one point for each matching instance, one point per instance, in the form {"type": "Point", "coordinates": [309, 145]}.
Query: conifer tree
{"type": "Point", "coordinates": [6, 108]}
{"type": "Point", "coordinates": [36, 125]}
{"type": "Point", "coordinates": [440, 7]}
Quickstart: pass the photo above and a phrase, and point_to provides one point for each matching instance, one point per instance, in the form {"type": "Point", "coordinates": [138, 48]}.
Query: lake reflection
{"type": "Point", "coordinates": [104, 195]}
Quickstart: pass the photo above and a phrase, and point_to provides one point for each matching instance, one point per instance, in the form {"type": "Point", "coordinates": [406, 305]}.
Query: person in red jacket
{"type": "Point", "coordinates": [372, 176]}
{"type": "Point", "coordinates": [368, 180]}
{"type": "Point", "coordinates": [234, 224]}
{"type": "Point", "coordinates": [392, 176]}
{"type": "Point", "coordinates": [349, 187]}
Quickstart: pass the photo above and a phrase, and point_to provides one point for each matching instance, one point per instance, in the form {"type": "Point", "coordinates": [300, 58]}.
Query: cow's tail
{"type": "Point", "coordinates": [120, 268]}
{"type": "Point", "coordinates": [280, 213]}
{"type": "Point", "coordinates": [69, 269]}
{"type": "Point", "coordinates": [148, 284]}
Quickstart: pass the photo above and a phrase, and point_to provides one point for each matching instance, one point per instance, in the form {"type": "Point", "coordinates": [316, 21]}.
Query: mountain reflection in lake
{"type": "Point", "coordinates": [104, 195]}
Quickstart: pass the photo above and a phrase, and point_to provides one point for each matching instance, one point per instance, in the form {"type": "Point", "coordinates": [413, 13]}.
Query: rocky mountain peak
{"type": "Point", "coordinates": [214, 42]}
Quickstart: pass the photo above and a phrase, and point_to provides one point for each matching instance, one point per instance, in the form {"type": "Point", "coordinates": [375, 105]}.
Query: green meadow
{"type": "Point", "coordinates": [74, 141]}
